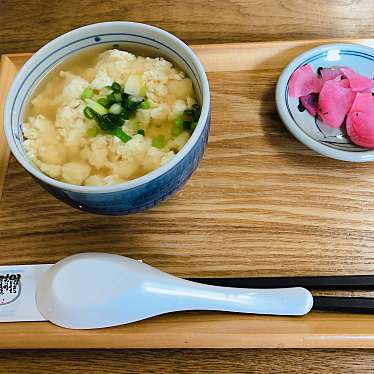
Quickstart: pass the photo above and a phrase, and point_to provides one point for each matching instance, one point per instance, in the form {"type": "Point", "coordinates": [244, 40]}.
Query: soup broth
{"type": "Point", "coordinates": [107, 116]}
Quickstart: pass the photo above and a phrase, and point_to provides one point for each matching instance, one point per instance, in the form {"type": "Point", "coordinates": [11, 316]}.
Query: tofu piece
{"type": "Point", "coordinates": [52, 153]}
{"type": "Point", "coordinates": [180, 89]}
{"type": "Point", "coordinates": [53, 171]}
{"type": "Point", "coordinates": [177, 109]}
{"type": "Point", "coordinates": [75, 172]}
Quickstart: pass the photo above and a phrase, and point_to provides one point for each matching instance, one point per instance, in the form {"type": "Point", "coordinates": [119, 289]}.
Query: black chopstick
{"type": "Point", "coordinates": [343, 304]}
{"type": "Point", "coordinates": [344, 282]}
{"type": "Point", "coordinates": [321, 303]}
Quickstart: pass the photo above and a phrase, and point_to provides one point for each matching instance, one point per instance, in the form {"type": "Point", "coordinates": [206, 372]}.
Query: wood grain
{"type": "Point", "coordinates": [27, 25]}
{"type": "Point", "coordinates": [202, 330]}
{"type": "Point", "coordinates": [175, 361]}
{"type": "Point", "coordinates": [266, 197]}
{"type": "Point", "coordinates": [7, 72]}
{"type": "Point", "coordinates": [252, 56]}
{"type": "Point", "coordinates": [259, 204]}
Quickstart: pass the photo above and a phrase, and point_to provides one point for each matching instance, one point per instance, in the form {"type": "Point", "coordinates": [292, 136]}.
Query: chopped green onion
{"type": "Point", "coordinates": [188, 120]}
{"type": "Point", "coordinates": [111, 111]}
{"type": "Point", "coordinates": [88, 113]}
{"type": "Point", "coordinates": [119, 133]}
{"type": "Point", "coordinates": [111, 99]}
{"type": "Point", "coordinates": [125, 96]}
{"type": "Point", "coordinates": [193, 114]}
{"type": "Point", "coordinates": [196, 112]}
{"type": "Point", "coordinates": [116, 87]}
{"type": "Point", "coordinates": [159, 141]}
{"type": "Point", "coordinates": [117, 97]}
{"type": "Point", "coordinates": [95, 106]}
{"type": "Point", "coordinates": [145, 104]}
{"type": "Point", "coordinates": [187, 125]}
{"type": "Point", "coordinates": [104, 101]}
{"type": "Point", "coordinates": [108, 122]}
{"type": "Point", "coordinates": [124, 115]}
{"type": "Point", "coordinates": [87, 93]}
{"type": "Point", "coordinates": [115, 109]}
{"type": "Point", "coordinates": [179, 122]}
{"type": "Point", "coordinates": [175, 131]}
{"type": "Point", "coordinates": [92, 131]}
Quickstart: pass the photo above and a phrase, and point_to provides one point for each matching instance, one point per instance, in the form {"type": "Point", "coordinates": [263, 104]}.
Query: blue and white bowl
{"type": "Point", "coordinates": [138, 194]}
{"type": "Point", "coordinates": [314, 134]}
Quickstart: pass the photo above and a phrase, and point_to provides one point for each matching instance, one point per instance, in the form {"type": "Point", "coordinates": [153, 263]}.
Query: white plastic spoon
{"type": "Point", "coordinates": [94, 290]}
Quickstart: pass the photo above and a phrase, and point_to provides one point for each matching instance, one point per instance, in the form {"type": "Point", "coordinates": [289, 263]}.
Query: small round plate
{"type": "Point", "coordinates": [313, 133]}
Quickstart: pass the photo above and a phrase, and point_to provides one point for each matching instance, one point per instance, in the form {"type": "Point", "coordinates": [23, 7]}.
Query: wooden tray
{"type": "Point", "coordinates": [260, 204]}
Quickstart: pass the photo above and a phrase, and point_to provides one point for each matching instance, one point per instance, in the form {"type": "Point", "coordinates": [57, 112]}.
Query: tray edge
{"type": "Point", "coordinates": [52, 338]}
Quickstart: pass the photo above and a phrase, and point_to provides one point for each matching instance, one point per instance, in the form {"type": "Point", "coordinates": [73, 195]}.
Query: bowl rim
{"type": "Point", "coordinates": [134, 183]}
{"type": "Point", "coordinates": [325, 150]}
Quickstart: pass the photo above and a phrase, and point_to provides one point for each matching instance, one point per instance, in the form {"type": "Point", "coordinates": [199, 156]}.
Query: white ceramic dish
{"type": "Point", "coordinates": [314, 134]}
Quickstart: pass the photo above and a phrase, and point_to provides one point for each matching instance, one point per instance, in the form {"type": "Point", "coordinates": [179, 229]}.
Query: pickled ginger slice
{"type": "Point", "coordinates": [304, 81]}
{"type": "Point", "coordinates": [360, 120]}
{"type": "Point", "coordinates": [334, 103]}
{"type": "Point", "coordinates": [357, 82]}
{"type": "Point", "coordinates": [329, 73]}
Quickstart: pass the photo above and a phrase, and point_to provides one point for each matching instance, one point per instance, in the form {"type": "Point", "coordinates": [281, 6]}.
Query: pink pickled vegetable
{"type": "Point", "coordinates": [334, 103]}
{"type": "Point", "coordinates": [360, 120]}
{"type": "Point", "coordinates": [330, 73]}
{"type": "Point", "coordinates": [309, 102]}
{"type": "Point", "coordinates": [357, 82]}
{"type": "Point", "coordinates": [304, 81]}
{"type": "Point", "coordinates": [338, 96]}
{"type": "Point", "coordinates": [343, 82]}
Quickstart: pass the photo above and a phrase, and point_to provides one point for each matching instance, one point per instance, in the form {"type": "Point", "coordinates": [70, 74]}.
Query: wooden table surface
{"type": "Point", "coordinates": [27, 25]}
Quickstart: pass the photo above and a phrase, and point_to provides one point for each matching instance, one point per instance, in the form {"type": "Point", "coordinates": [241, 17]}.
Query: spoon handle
{"type": "Point", "coordinates": [279, 301]}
